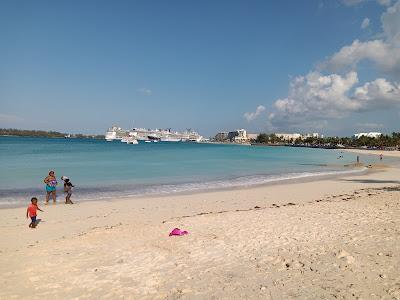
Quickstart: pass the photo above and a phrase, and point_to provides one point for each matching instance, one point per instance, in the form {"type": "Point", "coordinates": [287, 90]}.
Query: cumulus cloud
{"type": "Point", "coordinates": [315, 93]}
{"type": "Point", "coordinates": [378, 94]}
{"type": "Point", "coordinates": [391, 24]}
{"type": "Point", "coordinates": [384, 53]}
{"type": "Point", "coordinates": [250, 116]}
{"type": "Point", "coordinates": [145, 91]}
{"type": "Point", "coordinates": [365, 23]}
{"type": "Point", "coordinates": [315, 98]}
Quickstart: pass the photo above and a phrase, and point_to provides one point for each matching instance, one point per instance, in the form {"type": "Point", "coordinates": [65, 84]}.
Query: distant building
{"type": "Point", "coordinates": [289, 136]}
{"type": "Point", "coordinates": [295, 136]}
{"type": "Point", "coordinates": [221, 136]}
{"type": "Point", "coordinates": [368, 134]}
{"type": "Point", "coordinates": [238, 136]}
{"type": "Point", "coordinates": [252, 136]}
{"type": "Point", "coordinates": [313, 135]}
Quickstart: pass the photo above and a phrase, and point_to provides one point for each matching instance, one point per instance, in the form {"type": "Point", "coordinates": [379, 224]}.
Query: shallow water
{"type": "Point", "coordinates": [101, 169]}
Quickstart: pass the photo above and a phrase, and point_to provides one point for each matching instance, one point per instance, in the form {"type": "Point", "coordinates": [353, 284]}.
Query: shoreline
{"type": "Point", "coordinates": [206, 187]}
{"type": "Point", "coordinates": [265, 242]}
{"type": "Point", "coordinates": [390, 153]}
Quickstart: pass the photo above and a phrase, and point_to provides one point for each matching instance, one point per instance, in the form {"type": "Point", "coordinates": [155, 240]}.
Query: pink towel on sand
{"type": "Point", "coordinates": [177, 231]}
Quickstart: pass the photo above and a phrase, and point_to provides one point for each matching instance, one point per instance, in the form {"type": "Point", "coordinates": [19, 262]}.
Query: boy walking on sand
{"type": "Point", "coordinates": [32, 212]}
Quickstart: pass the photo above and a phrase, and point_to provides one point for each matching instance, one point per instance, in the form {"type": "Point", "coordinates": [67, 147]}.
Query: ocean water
{"type": "Point", "coordinates": [101, 170]}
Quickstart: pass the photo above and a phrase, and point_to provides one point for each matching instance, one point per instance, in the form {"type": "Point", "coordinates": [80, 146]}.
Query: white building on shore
{"type": "Point", "coordinates": [288, 136]}
{"type": "Point", "coordinates": [252, 136]}
{"type": "Point", "coordinates": [313, 135]}
{"type": "Point", "coordinates": [238, 136]}
{"type": "Point", "coordinates": [295, 136]}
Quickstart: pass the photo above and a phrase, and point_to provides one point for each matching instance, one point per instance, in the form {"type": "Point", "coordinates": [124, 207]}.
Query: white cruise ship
{"type": "Point", "coordinates": [153, 135]}
{"type": "Point", "coordinates": [115, 133]}
{"type": "Point", "coordinates": [166, 135]}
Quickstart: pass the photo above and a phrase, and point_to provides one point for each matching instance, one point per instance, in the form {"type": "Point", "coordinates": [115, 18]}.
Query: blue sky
{"type": "Point", "coordinates": [81, 66]}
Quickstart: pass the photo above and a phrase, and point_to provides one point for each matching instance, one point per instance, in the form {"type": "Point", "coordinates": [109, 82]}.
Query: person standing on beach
{"type": "Point", "coordinates": [51, 183]}
{"type": "Point", "coordinates": [67, 189]}
{"type": "Point", "coordinates": [31, 212]}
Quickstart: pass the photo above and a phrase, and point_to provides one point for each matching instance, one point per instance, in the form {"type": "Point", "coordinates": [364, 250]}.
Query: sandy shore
{"type": "Point", "coordinates": [330, 239]}
{"type": "Point", "coordinates": [374, 152]}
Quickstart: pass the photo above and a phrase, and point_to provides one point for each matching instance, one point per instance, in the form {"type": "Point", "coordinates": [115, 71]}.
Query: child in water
{"type": "Point", "coordinates": [67, 189]}
{"type": "Point", "coordinates": [32, 212]}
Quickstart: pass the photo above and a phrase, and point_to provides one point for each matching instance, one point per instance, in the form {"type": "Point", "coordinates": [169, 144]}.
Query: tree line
{"type": "Point", "coordinates": [43, 133]}
{"type": "Point", "coordinates": [383, 141]}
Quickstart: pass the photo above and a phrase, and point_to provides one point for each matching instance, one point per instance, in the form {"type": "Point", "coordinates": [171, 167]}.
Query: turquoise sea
{"type": "Point", "coordinates": [101, 170]}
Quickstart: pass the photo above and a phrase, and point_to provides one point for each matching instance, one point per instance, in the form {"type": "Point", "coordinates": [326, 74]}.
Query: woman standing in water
{"type": "Point", "coordinates": [51, 183]}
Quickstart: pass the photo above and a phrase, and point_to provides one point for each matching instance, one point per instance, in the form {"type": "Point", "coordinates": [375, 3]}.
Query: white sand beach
{"type": "Point", "coordinates": [328, 239]}
{"type": "Point", "coordinates": [374, 152]}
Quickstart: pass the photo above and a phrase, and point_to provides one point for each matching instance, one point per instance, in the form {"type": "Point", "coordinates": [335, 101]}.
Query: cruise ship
{"type": "Point", "coordinates": [152, 135]}
{"type": "Point", "coordinates": [115, 133]}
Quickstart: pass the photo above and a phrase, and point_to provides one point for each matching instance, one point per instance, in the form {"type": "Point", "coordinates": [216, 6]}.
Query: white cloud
{"type": "Point", "coordinates": [313, 99]}
{"type": "Point", "coordinates": [250, 116]}
{"type": "Point", "coordinates": [365, 23]}
{"type": "Point", "coordinates": [384, 55]}
{"type": "Point", "coordinates": [316, 98]}
{"type": "Point", "coordinates": [378, 94]}
{"type": "Point", "coordinates": [145, 91]}
{"type": "Point", "coordinates": [391, 25]}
